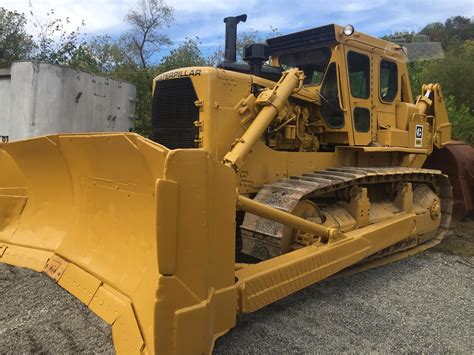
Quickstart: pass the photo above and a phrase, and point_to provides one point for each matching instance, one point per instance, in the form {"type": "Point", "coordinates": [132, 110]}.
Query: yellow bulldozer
{"type": "Point", "coordinates": [261, 178]}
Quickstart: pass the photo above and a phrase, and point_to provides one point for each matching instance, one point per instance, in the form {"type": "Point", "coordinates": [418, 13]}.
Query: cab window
{"type": "Point", "coordinates": [388, 80]}
{"type": "Point", "coordinates": [359, 74]}
{"type": "Point", "coordinates": [362, 119]}
{"type": "Point", "coordinates": [313, 63]}
{"type": "Point", "coordinates": [330, 109]}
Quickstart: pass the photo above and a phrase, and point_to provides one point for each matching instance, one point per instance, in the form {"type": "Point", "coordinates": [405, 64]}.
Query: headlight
{"type": "Point", "coordinates": [348, 30]}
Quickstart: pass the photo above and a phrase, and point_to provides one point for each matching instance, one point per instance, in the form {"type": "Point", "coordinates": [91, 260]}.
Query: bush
{"type": "Point", "coordinates": [462, 119]}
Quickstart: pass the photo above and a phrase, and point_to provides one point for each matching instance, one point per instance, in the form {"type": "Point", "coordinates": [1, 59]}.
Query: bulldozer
{"type": "Point", "coordinates": [260, 179]}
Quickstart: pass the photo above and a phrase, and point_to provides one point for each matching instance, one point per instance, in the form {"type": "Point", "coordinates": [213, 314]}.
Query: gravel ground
{"type": "Point", "coordinates": [38, 316]}
{"type": "Point", "coordinates": [421, 304]}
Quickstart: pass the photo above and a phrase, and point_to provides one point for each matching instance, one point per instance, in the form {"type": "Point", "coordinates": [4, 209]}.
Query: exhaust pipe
{"type": "Point", "coordinates": [231, 37]}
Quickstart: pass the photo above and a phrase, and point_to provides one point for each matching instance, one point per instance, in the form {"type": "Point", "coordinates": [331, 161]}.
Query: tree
{"type": "Point", "coordinates": [83, 59]}
{"type": "Point", "coordinates": [140, 77]}
{"type": "Point", "coordinates": [455, 73]}
{"type": "Point", "coordinates": [15, 43]}
{"type": "Point", "coordinates": [452, 33]}
{"type": "Point", "coordinates": [243, 39]}
{"type": "Point", "coordinates": [187, 54]}
{"type": "Point", "coordinates": [252, 36]}
{"type": "Point", "coordinates": [462, 119]}
{"type": "Point", "coordinates": [403, 37]}
{"type": "Point", "coordinates": [109, 54]}
{"type": "Point", "coordinates": [147, 36]}
{"type": "Point", "coordinates": [435, 31]}
{"type": "Point", "coordinates": [54, 43]}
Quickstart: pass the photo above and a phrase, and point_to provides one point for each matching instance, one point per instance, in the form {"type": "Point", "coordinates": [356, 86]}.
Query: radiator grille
{"type": "Point", "coordinates": [174, 113]}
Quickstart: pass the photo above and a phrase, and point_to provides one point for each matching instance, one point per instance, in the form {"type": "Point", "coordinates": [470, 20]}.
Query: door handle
{"type": "Point", "coordinates": [339, 89]}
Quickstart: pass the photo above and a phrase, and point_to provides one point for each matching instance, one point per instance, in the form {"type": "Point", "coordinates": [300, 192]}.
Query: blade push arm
{"type": "Point", "coordinates": [432, 102]}
{"type": "Point", "coordinates": [272, 102]}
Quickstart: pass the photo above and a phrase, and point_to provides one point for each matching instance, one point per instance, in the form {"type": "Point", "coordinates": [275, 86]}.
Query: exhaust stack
{"type": "Point", "coordinates": [231, 37]}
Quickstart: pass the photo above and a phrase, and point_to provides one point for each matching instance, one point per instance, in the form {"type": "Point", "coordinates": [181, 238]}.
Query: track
{"type": "Point", "coordinates": [285, 194]}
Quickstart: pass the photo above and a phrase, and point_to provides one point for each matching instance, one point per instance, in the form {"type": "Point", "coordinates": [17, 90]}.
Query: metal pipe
{"type": "Point", "coordinates": [288, 219]}
{"type": "Point", "coordinates": [424, 102]}
{"type": "Point", "coordinates": [231, 23]}
{"type": "Point", "coordinates": [272, 102]}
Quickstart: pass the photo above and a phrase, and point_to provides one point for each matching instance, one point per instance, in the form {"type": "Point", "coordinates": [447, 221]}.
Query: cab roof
{"type": "Point", "coordinates": [323, 36]}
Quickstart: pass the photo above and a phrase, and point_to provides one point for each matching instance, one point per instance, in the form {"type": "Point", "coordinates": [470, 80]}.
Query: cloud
{"type": "Point", "coordinates": [358, 6]}
{"type": "Point", "coordinates": [203, 18]}
{"type": "Point", "coordinates": [101, 17]}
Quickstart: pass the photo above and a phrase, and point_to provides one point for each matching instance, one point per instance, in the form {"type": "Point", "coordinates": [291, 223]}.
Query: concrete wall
{"type": "Point", "coordinates": [41, 99]}
{"type": "Point", "coordinates": [4, 101]}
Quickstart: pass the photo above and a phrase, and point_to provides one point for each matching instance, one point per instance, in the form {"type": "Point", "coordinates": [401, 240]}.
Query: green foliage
{"type": "Point", "coordinates": [455, 72]}
{"type": "Point", "coordinates": [83, 59]}
{"type": "Point", "coordinates": [462, 119]}
{"type": "Point", "coordinates": [132, 57]}
{"type": "Point", "coordinates": [142, 79]}
{"type": "Point", "coordinates": [415, 69]}
{"type": "Point", "coordinates": [53, 42]}
{"type": "Point", "coordinates": [15, 43]}
{"type": "Point", "coordinates": [109, 54]}
{"type": "Point", "coordinates": [400, 37]}
{"type": "Point", "coordinates": [452, 33]}
{"type": "Point", "coordinates": [187, 54]}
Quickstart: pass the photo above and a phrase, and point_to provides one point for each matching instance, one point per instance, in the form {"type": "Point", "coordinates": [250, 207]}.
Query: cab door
{"type": "Point", "coordinates": [388, 93]}
{"type": "Point", "coordinates": [359, 79]}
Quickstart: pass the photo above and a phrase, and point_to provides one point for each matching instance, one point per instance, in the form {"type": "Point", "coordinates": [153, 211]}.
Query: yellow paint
{"type": "Point", "coordinates": [145, 236]}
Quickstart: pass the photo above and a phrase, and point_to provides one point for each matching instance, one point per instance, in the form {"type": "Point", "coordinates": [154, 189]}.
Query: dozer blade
{"type": "Point", "coordinates": [142, 235]}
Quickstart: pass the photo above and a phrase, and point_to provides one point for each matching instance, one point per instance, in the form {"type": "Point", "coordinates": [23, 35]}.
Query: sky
{"type": "Point", "coordinates": [203, 18]}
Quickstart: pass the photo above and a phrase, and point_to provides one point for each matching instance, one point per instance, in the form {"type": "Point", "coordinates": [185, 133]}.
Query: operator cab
{"type": "Point", "coordinates": [360, 80]}
{"type": "Point", "coordinates": [312, 51]}
{"type": "Point", "coordinates": [315, 65]}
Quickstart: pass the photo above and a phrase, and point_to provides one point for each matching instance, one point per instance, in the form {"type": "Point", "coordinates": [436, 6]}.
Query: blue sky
{"type": "Point", "coordinates": [203, 18]}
